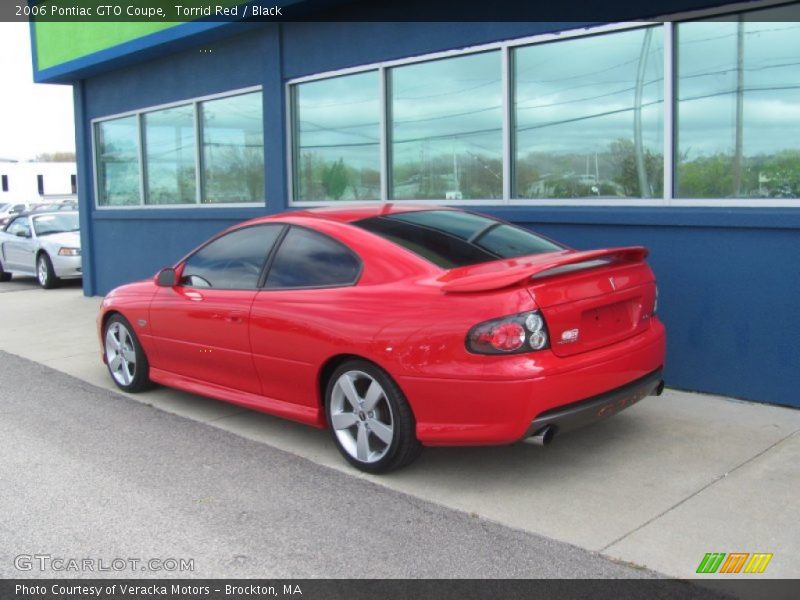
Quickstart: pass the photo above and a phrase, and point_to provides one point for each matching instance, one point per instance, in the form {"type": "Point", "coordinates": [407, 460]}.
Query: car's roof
{"type": "Point", "coordinates": [356, 212]}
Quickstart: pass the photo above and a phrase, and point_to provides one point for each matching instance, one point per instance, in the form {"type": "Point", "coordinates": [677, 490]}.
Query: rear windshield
{"type": "Point", "coordinates": [451, 239]}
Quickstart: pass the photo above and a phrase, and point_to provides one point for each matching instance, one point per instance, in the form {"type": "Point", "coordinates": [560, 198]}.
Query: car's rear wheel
{"type": "Point", "coordinates": [125, 358]}
{"type": "Point", "coordinates": [45, 274]}
{"type": "Point", "coordinates": [370, 419]}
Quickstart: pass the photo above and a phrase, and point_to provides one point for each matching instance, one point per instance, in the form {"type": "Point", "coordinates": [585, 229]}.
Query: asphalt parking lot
{"type": "Point", "coordinates": [655, 488]}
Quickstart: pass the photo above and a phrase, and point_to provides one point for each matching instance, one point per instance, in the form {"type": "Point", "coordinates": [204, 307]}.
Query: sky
{"type": "Point", "coordinates": [34, 118]}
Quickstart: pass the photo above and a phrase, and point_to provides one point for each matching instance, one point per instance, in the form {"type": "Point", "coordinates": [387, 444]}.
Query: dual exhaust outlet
{"type": "Point", "coordinates": [544, 435]}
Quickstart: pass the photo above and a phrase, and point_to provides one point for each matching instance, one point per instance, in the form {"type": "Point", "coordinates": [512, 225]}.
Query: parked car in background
{"type": "Point", "coordinates": [10, 210]}
{"type": "Point", "coordinates": [54, 206]}
{"type": "Point", "coordinates": [44, 245]}
{"type": "Point", "coordinates": [397, 327]}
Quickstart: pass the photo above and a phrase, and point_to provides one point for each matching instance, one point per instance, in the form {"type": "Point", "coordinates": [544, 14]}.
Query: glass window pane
{"type": "Point", "coordinates": [589, 117]}
{"type": "Point", "coordinates": [446, 129]}
{"type": "Point", "coordinates": [337, 138]}
{"type": "Point", "coordinates": [118, 162]}
{"type": "Point", "coordinates": [310, 259]}
{"type": "Point", "coordinates": [738, 108]}
{"type": "Point", "coordinates": [233, 149]}
{"type": "Point", "coordinates": [169, 142]}
{"type": "Point", "coordinates": [451, 239]}
{"type": "Point", "coordinates": [233, 261]}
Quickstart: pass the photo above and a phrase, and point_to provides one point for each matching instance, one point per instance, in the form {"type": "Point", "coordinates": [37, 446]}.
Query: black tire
{"type": "Point", "coordinates": [45, 274]}
{"type": "Point", "coordinates": [3, 275]}
{"type": "Point", "coordinates": [404, 447]}
{"type": "Point", "coordinates": [132, 380]}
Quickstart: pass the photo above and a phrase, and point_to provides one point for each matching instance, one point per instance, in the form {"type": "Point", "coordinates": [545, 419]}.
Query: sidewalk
{"type": "Point", "coordinates": [659, 485]}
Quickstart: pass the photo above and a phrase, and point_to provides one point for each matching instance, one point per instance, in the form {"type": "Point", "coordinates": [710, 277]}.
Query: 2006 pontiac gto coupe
{"type": "Point", "coordinates": [397, 327]}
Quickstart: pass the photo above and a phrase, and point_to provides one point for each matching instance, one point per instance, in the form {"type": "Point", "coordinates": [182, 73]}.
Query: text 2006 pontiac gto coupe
{"type": "Point", "coordinates": [397, 327]}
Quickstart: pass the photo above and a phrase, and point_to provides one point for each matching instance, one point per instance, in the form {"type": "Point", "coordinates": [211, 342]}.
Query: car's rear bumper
{"type": "Point", "coordinates": [490, 411]}
{"type": "Point", "coordinates": [585, 412]}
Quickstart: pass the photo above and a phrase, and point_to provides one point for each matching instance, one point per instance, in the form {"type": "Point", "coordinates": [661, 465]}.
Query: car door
{"type": "Point", "coordinates": [296, 318]}
{"type": "Point", "coordinates": [200, 326]}
{"type": "Point", "coordinates": [18, 247]}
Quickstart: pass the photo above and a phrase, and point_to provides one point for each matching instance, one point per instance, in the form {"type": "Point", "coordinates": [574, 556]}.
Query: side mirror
{"type": "Point", "coordinates": [166, 277]}
{"type": "Point", "coordinates": [23, 234]}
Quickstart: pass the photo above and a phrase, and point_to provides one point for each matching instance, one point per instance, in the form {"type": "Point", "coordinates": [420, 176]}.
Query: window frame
{"type": "Point", "coordinates": [279, 243]}
{"type": "Point", "coordinates": [198, 159]}
{"type": "Point", "coordinates": [506, 47]}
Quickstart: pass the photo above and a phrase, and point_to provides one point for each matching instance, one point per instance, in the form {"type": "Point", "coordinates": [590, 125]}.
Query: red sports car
{"type": "Point", "coordinates": [396, 326]}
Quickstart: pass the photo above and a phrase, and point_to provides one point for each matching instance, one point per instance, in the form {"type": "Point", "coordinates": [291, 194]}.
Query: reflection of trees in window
{"type": "Point", "coordinates": [336, 152]}
{"type": "Point", "coordinates": [170, 156]}
{"type": "Point", "coordinates": [118, 162]}
{"type": "Point", "coordinates": [446, 129]}
{"type": "Point", "coordinates": [589, 117]}
{"type": "Point", "coordinates": [233, 149]}
{"type": "Point", "coordinates": [737, 83]}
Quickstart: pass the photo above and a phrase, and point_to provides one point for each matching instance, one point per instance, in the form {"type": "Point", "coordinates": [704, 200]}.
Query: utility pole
{"type": "Point", "coordinates": [638, 142]}
{"type": "Point", "coordinates": [737, 155]}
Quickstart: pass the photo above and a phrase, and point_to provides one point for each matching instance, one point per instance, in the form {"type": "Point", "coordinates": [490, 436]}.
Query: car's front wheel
{"type": "Point", "coordinates": [370, 419]}
{"type": "Point", "coordinates": [45, 274]}
{"type": "Point", "coordinates": [3, 275]}
{"type": "Point", "coordinates": [125, 358]}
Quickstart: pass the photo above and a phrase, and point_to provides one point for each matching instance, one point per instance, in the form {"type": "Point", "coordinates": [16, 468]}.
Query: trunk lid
{"type": "Point", "coordinates": [588, 299]}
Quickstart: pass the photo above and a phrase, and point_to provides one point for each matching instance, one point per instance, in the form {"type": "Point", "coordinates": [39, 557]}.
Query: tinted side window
{"type": "Point", "coordinates": [309, 259]}
{"type": "Point", "coordinates": [233, 261]}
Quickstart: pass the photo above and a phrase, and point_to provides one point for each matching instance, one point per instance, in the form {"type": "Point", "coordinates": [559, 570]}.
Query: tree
{"type": "Point", "coordinates": [334, 179]}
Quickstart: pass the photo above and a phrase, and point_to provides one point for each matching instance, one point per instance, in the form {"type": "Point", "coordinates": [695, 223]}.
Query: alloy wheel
{"type": "Point", "coordinates": [361, 416]}
{"type": "Point", "coordinates": [120, 353]}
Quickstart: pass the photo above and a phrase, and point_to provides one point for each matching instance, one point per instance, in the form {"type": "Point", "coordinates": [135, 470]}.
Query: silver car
{"type": "Point", "coordinates": [45, 245]}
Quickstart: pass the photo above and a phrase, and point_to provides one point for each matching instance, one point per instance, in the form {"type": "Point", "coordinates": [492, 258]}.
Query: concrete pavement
{"type": "Point", "coordinates": [658, 486]}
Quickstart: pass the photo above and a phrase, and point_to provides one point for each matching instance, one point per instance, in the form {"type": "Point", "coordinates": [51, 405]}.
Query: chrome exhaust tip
{"type": "Point", "coordinates": [542, 437]}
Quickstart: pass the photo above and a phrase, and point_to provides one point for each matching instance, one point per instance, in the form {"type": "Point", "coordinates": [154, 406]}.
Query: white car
{"type": "Point", "coordinates": [44, 245]}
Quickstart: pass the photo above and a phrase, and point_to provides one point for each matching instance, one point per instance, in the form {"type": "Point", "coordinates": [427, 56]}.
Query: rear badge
{"type": "Point", "coordinates": [569, 336]}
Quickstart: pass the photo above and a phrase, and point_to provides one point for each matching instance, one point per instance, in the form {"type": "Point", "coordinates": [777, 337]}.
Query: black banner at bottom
{"type": "Point", "coordinates": [392, 589]}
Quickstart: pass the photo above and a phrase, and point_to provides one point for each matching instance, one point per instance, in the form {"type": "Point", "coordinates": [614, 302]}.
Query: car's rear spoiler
{"type": "Point", "coordinates": [500, 274]}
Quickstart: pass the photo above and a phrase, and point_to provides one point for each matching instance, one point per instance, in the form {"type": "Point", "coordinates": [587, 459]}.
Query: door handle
{"type": "Point", "coordinates": [234, 317]}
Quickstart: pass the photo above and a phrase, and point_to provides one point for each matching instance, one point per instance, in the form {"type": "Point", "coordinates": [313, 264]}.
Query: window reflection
{"type": "Point", "coordinates": [118, 162]}
{"type": "Point", "coordinates": [337, 138]}
{"type": "Point", "coordinates": [738, 109]}
{"type": "Point", "coordinates": [233, 149]}
{"type": "Point", "coordinates": [589, 117]}
{"type": "Point", "coordinates": [446, 129]}
{"type": "Point", "coordinates": [169, 141]}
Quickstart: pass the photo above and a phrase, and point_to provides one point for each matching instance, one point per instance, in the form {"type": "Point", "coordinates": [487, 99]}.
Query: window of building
{"type": "Point", "coordinates": [738, 101]}
{"type": "Point", "coordinates": [5, 183]}
{"type": "Point", "coordinates": [206, 151]}
{"type": "Point", "coordinates": [232, 136]}
{"type": "Point", "coordinates": [233, 261]}
{"type": "Point", "coordinates": [308, 259]}
{"type": "Point", "coordinates": [73, 183]}
{"type": "Point", "coordinates": [40, 184]}
{"type": "Point", "coordinates": [588, 117]}
{"type": "Point", "coordinates": [337, 138]}
{"type": "Point", "coordinates": [170, 156]}
{"type": "Point", "coordinates": [446, 129]}
{"type": "Point", "coordinates": [118, 172]}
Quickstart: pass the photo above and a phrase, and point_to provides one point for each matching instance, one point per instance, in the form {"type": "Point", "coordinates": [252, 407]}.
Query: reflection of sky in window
{"type": "Point", "coordinates": [452, 103]}
{"type": "Point", "coordinates": [707, 68]}
{"type": "Point", "coordinates": [233, 121]}
{"type": "Point", "coordinates": [339, 118]}
{"type": "Point", "coordinates": [577, 95]}
{"type": "Point", "coordinates": [170, 155]}
{"type": "Point", "coordinates": [118, 168]}
{"type": "Point", "coordinates": [118, 139]}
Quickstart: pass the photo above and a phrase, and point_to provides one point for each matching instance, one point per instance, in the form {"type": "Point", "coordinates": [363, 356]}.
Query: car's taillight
{"type": "Point", "coordinates": [524, 332]}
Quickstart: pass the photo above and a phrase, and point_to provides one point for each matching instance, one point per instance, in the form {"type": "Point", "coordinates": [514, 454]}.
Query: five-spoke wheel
{"type": "Point", "coordinates": [372, 424]}
{"type": "Point", "coordinates": [125, 358]}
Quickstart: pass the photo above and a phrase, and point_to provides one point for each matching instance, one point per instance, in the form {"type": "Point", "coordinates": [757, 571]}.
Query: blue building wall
{"type": "Point", "coordinates": [729, 278]}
